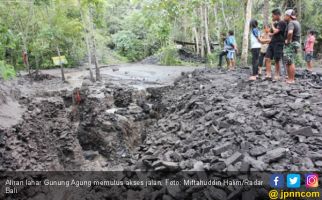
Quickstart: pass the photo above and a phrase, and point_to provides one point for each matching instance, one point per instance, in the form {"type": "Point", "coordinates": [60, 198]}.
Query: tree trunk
{"type": "Point", "coordinates": [202, 33]}
{"type": "Point", "coordinates": [248, 16]}
{"type": "Point", "coordinates": [197, 39]}
{"type": "Point", "coordinates": [299, 9]}
{"type": "Point", "coordinates": [97, 70]}
{"type": "Point", "coordinates": [61, 65]}
{"type": "Point", "coordinates": [89, 55]}
{"type": "Point", "coordinates": [207, 29]}
{"type": "Point", "coordinates": [217, 23]}
{"type": "Point", "coordinates": [224, 15]}
{"type": "Point", "coordinates": [266, 11]}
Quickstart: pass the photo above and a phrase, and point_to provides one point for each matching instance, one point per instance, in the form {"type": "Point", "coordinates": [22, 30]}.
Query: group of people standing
{"type": "Point", "coordinates": [279, 41]}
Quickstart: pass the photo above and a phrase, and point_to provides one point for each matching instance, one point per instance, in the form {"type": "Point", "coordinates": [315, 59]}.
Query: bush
{"type": "Point", "coordinates": [299, 61]}
{"type": "Point", "coordinates": [170, 56]}
{"type": "Point", "coordinates": [129, 46]}
{"type": "Point", "coordinates": [6, 71]}
{"type": "Point", "coordinates": [213, 58]}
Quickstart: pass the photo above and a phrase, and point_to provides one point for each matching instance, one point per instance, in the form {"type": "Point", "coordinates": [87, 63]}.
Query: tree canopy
{"type": "Point", "coordinates": [129, 30]}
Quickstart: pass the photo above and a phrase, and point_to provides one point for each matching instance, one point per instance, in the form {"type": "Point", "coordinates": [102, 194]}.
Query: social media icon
{"type": "Point", "coordinates": [277, 181]}
{"type": "Point", "coordinates": [293, 180]}
{"type": "Point", "coordinates": [312, 180]}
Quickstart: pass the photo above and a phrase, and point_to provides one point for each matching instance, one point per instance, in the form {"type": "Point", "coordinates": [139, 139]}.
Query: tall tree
{"type": "Point", "coordinates": [202, 32]}
{"type": "Point", "coordinates": [194, 29]}
{"type": "Point", "coordinates": [88, 46]}
{"type": "Point", "coordinates": [248, 16]}
{"type": "Point", "coordinates": [24, 24]}
{"type": "Point", "coordinates": [206, 28]}
{"type": "Point", "coordinates": [299, 9]}
{"type": "Point", "coordinates": [266, 11]}
{"type": "Point", "coordinates": [224, 15]}
{"type": "Point", "coordinates": [218, 28]}
{"type": "Point", "coordinates": [97, 70]}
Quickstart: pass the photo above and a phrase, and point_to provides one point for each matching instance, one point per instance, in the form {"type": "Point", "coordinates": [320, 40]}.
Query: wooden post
{"type": "Point", "coordinates": [61, 65]}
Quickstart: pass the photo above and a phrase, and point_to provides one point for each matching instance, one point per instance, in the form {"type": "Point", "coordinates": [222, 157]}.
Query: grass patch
{"type": "Point", "coordinates": [170, 56]}
{"type": "Point", "coordinates": [7, 71]}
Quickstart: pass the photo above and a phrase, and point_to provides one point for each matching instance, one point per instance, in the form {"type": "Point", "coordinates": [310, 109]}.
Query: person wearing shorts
{"type": "Point", "coordinates": [275, 48]}
{"type": "Point", "coordinates": [292, 43]}
{"type": "Point", "coordinates": [231, 50]}
{"type": "Point", "coordinates": [309, 46]}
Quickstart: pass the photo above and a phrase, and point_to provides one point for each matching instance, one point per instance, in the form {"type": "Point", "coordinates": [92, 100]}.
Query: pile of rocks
{"type": "Point", "coordinates": [187, 55]}
{"type": "Point", "coordinates": [217, 126]}
{"type": "Point", "coordinates": [229, 124]}
{"type": "Point", "coordinates": [152, 60]}
{"type": "Point", "coordinates": [184, 54]}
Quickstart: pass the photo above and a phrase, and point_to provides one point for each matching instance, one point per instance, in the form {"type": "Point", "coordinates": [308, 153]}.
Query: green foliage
{"type": "Point", "coordinates": [299, 61]}
{"type": "Point", "coordinates": [123, 29]}
{"type": "Point", "coordinates": [169, 56]}
{"type": "Point", "coordinates": [213, 58]}
{"type": "Point", "coordinates": [128, 45]}
{"type": "Point", "coordinates": [312, 19]}
{"type": "Point", "coordinates": [6, 71]}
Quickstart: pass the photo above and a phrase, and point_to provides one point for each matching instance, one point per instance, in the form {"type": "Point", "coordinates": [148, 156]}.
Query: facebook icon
{"type": "Point", "coordinates": [277, 181]}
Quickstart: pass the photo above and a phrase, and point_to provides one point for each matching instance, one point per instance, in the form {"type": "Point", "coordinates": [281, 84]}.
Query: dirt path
{"type": "Point", "coordinates": [136, 75]}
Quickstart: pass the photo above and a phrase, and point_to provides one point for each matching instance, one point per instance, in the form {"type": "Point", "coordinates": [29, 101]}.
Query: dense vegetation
{"type": "Point", "coordinates": [111, 31]}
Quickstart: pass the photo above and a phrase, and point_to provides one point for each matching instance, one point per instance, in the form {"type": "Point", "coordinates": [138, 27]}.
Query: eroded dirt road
{"type": "Point", "coordinates": [135, 75]}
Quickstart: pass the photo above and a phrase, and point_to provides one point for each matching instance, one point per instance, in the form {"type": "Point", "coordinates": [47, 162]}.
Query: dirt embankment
{"type": "Point", "coordinates": [88, 128]}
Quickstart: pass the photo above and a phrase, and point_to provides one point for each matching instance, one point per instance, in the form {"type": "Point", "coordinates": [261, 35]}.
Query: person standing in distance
{"type": "Point", "coordinates": [309, 48]}
{"type": "Point", "coordinates": [255, 46]}
{"type": "Point", "coordinates": [231, 41]}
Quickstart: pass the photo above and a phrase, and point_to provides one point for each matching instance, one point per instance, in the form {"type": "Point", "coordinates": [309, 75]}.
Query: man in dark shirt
{"type": "Point", "coordinates": [292, 43]}
{"type": "Point", "coordinates": [275, 48]}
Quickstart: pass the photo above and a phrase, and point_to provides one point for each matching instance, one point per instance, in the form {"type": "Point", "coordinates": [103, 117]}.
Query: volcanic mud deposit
{"type": "Point", "coordinates": [94, 127]}
{"type": "Point", "coordinates": [210, 124]}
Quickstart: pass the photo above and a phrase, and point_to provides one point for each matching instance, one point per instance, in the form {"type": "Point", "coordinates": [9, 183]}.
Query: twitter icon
{"type": "Point", "coordinates": [293, 180]}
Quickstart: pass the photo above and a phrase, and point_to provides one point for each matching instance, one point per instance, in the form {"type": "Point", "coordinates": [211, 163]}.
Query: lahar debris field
{"type": "Point", "coordinates": [207, 120]}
